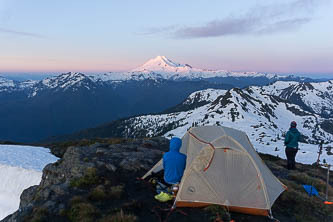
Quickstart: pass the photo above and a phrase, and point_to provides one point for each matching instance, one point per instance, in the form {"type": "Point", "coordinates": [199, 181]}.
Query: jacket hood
{"type": "Point", "coordinates": [293, 130]}
{"type": "Point", "coordinates": [175, 144]}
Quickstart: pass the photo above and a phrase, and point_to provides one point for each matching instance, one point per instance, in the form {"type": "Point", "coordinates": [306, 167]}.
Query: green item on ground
{"type": "Point", "coordinates": [163, 197]}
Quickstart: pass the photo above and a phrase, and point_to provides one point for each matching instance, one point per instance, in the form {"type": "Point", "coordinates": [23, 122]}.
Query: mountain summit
{"type": "Point", "coordinates": [162, 63]}
{"type": "Point", "coordinates": [162, 67]}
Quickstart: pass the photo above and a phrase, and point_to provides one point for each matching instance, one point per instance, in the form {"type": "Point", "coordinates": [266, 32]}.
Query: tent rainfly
{"type": "Point", "coordinates": [223, 168]}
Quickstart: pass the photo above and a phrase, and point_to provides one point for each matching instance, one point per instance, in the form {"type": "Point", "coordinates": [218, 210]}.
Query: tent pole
{"type": "Point", "coordinates": [174, 205]}
{"type": "Point", "coordinates": [327, 180]}
{"type": "Point", "coordinates": [270, 216]}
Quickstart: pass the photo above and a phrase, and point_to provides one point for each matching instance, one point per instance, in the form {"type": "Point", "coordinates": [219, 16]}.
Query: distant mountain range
{"type": "Point", "coordinates": [159, 68]}
{"type": "Point", "coordinates": [34, 110]}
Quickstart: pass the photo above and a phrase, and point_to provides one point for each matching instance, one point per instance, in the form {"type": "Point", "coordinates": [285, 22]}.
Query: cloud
{"type": "Point", "coordinates": [15, 32]}
{"type": "Point", "coordinates": [227, 26]}
{"type": "Point", "coordinates": [265, 19]}
{"type": "Point", "coordinates": [157, 30]}
{"type": "Point", "coordinates": [284, 25]}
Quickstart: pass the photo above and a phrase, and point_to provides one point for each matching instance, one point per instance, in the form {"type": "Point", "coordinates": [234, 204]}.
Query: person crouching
{"type": "Point", "coordinates": [174, 164]}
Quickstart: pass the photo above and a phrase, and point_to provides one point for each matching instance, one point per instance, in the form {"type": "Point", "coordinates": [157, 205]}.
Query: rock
{"type": "Point", "coordinates": [101, 151]}
{"type": "Point", "coordinates": [27, 196]}
{"type": "Point", "coordinates": [111, 167]}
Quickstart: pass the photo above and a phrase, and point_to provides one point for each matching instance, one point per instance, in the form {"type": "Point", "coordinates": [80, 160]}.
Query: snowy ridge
{"type": "Point", "coordinates": [20, 168]}
{"type": "Point", "coordinates": [27, 84]}
{"type": "Point", "coordinates": [318, 97]}
{"type": "Point", "coordinates": [6, 84]}
{"type": "Point", "coordinates": [204, 95]}
{"type": "Point", "coordinates": [111, 76]}
{"type": "Point", "coordinates": [265, 118]}
{"type": "Point", "coordinates": [64, 80]}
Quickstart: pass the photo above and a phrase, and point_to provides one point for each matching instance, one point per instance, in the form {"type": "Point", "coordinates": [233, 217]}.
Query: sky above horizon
{"type": "Point", "coordinates": [285, 36]}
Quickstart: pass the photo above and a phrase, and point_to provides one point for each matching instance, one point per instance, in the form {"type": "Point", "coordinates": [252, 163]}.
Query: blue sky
{"type": "Point", "coordinates": [285, 36]}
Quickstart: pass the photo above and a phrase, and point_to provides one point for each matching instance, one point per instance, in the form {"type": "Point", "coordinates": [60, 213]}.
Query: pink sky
{"type": "Point", "coordinates": [288, 36]}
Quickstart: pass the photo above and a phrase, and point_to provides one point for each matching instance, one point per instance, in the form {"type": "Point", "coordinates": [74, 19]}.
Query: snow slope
{"type": "Point", "coordinates": [20, 168]}
{"type": "Point", "coordinates": [265, 118]}
{"type": "Point", "coordinates": [317, 96]}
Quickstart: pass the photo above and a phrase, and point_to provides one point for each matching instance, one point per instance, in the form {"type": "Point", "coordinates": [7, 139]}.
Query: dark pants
{"type": "Point", "coordinates": [291, 154]}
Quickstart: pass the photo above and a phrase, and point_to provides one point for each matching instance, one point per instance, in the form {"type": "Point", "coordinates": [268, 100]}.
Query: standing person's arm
{"type": "Point", "coordinates": [287, 139]}
{"type": "Point", "coordinates": [298, 139]}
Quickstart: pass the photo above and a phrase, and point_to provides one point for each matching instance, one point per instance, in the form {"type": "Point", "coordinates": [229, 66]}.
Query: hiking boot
{"type": "Point", "coordinates": [163, 197]}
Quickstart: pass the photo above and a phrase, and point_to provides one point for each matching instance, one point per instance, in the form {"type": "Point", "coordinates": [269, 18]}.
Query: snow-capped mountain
{"type": "Point", "coordinates": [316, 97]}
{"type": "Point", "coordinates": [162, 63]}
{"type": "Point", "coordinates": [20, 168]}
{"type": "Point", "coordinates": [265, 118]}
{"type": "Point", "coordinates": [161, 67]}
{"type": "Point", "coordinates": [72, 81]}
{"type": "Point", "coordinates": [8, 85]}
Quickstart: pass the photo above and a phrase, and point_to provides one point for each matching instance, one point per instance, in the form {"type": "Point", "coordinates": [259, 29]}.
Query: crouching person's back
{"type": "Point", "coordinates": [174, 162]}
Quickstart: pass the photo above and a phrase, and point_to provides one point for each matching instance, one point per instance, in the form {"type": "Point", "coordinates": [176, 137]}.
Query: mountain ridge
{"type": "Point", "coordinates": [159, 67]}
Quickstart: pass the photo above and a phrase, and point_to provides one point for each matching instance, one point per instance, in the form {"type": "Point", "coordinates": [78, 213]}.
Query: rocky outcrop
{"type": "Point", "coordinates": [88, 174]}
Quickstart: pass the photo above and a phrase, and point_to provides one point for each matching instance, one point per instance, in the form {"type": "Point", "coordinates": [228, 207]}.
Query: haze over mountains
{"type": "Point", "coordinates": [35, 110]}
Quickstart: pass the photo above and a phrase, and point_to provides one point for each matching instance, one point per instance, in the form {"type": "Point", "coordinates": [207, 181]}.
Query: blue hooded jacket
{"type": "Point", "coordinates": [174, 162]}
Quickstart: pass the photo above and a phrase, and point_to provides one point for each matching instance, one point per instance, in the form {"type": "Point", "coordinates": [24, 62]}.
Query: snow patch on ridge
{"type": "Point", "coordinates": [20, 168]}
{"type": "Point", "coordinates": [27, 157]}
{"type": "Point", "coordinates": [13, 181]}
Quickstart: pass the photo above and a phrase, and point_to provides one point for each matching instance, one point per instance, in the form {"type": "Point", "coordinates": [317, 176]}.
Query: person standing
{"type": "Point", "coordinates": [291, 142]}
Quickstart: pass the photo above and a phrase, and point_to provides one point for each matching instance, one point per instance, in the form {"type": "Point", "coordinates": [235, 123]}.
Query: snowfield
{"type": "Point", "coordinates": [20, 168]}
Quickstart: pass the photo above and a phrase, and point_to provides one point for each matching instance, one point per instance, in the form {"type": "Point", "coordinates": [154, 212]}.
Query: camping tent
{"type": "Point", "coordinates": [223, 168]}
